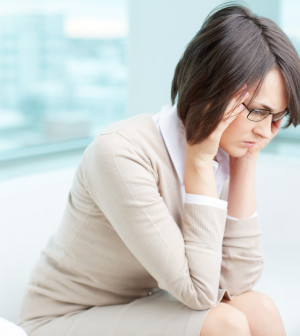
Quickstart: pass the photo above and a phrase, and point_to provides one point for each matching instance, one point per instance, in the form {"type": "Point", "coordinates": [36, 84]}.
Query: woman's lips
{"type": "Point", "coordinates": [249, 144]}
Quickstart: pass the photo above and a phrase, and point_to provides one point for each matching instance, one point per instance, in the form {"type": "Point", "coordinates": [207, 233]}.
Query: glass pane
{"type": "Point", "coordinates": [288, 140]}
{"type": "Point", "coordinates": [63, 70]}
{"type": "Point", "coordinates": [290, 23]}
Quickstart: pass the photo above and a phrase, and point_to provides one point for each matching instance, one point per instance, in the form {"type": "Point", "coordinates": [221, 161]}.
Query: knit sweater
{"type": "Point", "coordinates": [127, 230]}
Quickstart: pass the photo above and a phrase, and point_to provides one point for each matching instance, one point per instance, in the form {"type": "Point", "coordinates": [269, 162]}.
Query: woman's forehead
{"type": "Point", "coordinates": [272, 92]}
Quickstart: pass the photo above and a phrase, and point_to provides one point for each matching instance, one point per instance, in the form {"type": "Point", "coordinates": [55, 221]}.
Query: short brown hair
{"type": "Point", "coordinates": [233, 47]}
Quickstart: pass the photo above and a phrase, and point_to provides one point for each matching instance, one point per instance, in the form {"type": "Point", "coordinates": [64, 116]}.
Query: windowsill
{"type": "Point", "coordinates": [284, 146]}
{"type": "Point", "coordinates": [37, 164]}
{"type": "Point", "coordinates": [42, 158]}
{"type": "Point", "coordinates": [39, 159]}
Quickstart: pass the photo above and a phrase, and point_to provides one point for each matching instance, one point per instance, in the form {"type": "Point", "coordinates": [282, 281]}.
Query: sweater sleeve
{"type": "Point", "coordinates": [242, 260]}
{"type": "Point", "coordinates": [242, 255]}
{"type": "Point", "coordinates": [187, 262]}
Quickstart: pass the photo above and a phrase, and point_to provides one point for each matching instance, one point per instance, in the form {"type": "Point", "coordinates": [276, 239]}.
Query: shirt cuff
{"type": "Point", "coordinates": [236, 219]}
{"type": "Point", "coordinates": [205, 200]}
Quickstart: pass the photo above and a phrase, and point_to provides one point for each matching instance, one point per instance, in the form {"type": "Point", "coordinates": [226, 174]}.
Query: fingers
{"type": "Point", "coordinates": [235, 108]}
{"type": "Point", "coordinates": [226, 121]}
{"type": "Point", "coordinates": [244, 87]}
{"type": "Point", "coordinates": [236, 104]}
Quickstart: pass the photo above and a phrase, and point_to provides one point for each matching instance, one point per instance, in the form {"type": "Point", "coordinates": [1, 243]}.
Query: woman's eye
{"type": "Point", "coordinates": [261, 113]}
{"type": "Point", "coordinates": [256, 112]}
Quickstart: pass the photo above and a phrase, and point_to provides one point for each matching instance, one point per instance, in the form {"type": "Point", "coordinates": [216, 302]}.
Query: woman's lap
{"type": "Point", "coordinates": [156, 315]}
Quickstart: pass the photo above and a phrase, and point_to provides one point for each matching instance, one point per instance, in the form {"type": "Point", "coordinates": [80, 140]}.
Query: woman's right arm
{"type": "Point", "coordinates": [199, 177]}
{"type": "Point", "coordinates": [122, 182]}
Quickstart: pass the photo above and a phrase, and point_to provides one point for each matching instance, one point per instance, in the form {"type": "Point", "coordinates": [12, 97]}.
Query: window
{"type": "Point", "coordinates": [288, 140]}
{"type": "Point", "coordinates": [63, 72]}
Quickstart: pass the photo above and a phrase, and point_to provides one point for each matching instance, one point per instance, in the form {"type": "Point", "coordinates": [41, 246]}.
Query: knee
{"type": "Point", "coordinates": [225, 320]}
{"type": "Point", "coordinates": [265, 304]}
{"type": "Point", "coordinates": [235, 323]}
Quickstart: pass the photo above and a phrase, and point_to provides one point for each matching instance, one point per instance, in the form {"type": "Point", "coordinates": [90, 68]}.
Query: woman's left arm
{"type": "Point", "coordinates": [242, 256]}
{"type": "Point", "coordinates": [241, 194]}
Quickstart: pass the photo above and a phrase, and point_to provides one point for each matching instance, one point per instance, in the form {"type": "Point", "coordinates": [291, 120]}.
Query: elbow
{"type": "Point", "coordinates": [202, 303]}
{"type": "Point", "coordinates": [200, 297]}
{"type": "Point", "coordinates": [239, 281]}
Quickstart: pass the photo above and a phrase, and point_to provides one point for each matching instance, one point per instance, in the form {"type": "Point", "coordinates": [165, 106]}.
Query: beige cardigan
{"type": "Point", "coordinates": [126, 231]}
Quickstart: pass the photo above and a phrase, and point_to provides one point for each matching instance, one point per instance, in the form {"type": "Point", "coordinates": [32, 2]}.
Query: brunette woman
{"type": "Point", "coordinates": [160, 235]}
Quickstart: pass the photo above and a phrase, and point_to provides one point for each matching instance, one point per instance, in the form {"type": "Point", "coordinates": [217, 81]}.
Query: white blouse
{"type": "Point", "coordinates": [172, 131]}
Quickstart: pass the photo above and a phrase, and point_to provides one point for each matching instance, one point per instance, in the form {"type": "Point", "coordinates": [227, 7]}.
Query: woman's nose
{"type": "Point", "coordinates": [263, 128]}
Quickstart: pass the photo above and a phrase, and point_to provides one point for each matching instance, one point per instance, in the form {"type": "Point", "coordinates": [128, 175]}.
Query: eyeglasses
{"type": "Point", "coordinates": [257, 115]}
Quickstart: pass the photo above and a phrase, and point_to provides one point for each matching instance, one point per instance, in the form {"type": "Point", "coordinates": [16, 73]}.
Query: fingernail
{"type": "Point", "coordinates": [240, 107]}
{"type": "Point", "coordinates": [245, 94]}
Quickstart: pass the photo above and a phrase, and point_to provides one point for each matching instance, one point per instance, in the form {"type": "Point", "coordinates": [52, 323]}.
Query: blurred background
{"type": "Point", "coordinates": [63, 73]}
{"type": "Point", "coordinates": [70, 68]}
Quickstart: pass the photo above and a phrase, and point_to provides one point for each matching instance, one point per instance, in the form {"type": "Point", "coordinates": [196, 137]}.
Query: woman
{"type": "Point", "coordinates": [154, 239]}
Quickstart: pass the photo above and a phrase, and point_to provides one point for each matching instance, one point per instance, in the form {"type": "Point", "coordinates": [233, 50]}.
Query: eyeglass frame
{"type": "Point", "coordinates": [269, 113]}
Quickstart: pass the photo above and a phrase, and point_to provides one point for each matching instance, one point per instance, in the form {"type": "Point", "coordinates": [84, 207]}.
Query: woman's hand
{"type": "Point", "coordinates": [199, 177]}
{"type": "Point", "coordinates": [253, 152]}
{"type": "Point", "coordinates": [205, 151]}
{"type": "Point", "coordinates": [241, 195]}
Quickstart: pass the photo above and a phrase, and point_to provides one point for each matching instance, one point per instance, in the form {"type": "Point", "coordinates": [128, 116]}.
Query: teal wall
{"type": "Point", "coordinates": [158, 33]}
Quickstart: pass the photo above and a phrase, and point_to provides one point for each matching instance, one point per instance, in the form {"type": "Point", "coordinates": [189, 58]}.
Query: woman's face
{"type": "Point", "coordinates": [242, 133]}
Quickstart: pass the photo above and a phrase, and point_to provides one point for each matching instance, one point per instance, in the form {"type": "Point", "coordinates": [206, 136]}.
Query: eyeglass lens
{"type": "Point", "coordinates": [258, 115]}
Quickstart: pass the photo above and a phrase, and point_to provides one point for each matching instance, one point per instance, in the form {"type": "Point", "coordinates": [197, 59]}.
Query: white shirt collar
{"type": "Point", "coordinates": [173, 133]}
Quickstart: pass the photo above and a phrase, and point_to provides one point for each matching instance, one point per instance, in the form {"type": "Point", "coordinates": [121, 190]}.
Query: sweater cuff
{"type": "Point", "coordinates": [248, 227]}
{"type": "Point", "coordinates": [234, 218]}
{"type": "Point", "coordinates": [205, 200]}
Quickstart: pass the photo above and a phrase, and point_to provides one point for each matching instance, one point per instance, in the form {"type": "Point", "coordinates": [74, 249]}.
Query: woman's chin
{"type": "Point", "coordinates": [235, 151]}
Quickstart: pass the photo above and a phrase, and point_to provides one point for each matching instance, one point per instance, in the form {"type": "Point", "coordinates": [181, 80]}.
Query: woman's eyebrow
{"type": "Point", "coordinates": [266, 107]}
